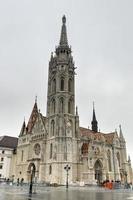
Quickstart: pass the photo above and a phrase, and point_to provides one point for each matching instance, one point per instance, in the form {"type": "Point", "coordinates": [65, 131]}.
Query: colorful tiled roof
{"type": "Point", "coordinates": [33, 118]}
{"type": "Point", "coordinates": [107, 137]}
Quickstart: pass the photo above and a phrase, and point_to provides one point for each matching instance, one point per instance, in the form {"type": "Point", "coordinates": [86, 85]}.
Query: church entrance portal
{"type": "Point", "coordinates": [98, 171]}
{"type": "Point", "coordinates": [31, 171]}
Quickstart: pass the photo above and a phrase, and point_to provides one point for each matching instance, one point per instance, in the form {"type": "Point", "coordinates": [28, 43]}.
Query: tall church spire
{"type": "Point", "coordinates": [94, 122]}
{"type": "Point", "coordinates": [61, 85]}
{"type": "Point", "coordinates": [63, 37]}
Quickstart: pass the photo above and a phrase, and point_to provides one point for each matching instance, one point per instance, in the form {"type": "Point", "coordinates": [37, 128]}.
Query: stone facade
{"type": "Point", "coordinates": [47, 144]}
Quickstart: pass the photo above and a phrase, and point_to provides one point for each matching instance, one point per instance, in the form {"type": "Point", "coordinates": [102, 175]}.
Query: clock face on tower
{"type": "Point", "coordinates": [37, 149]}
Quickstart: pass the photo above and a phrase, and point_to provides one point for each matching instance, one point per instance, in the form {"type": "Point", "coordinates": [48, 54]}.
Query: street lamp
{"type": "Point", "coordinates": [31, 180]}
{"type": "Point", "coordinates": [67, 168]}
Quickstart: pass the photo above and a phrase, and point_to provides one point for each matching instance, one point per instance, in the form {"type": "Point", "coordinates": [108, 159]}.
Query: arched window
{"type": "Point", "coordinates": [53, 106]}
{"type": "Point", "coordinates": [98, 171]}
{"type": "Point", "coordinates": [109, 160]}
{"type": "Point", "coordinates": [61, 105]}
{"type": "Point", "coordinates": [51, 150]}
{"type": "Point", "coordinates": [84, 149]}
{"type": "Point", "coordinates": [70, 85]}
{"type": "Point", "coordinates": [32, 169]}
{"type": "Point", "coordinates": [50, 169]}
{"type": "Point", "coordinates": [54, 85]}
{"type": "Point", "coordinates": [65, 152]}
{"type": "Point", "coordinates": [70, 104]}
{"type": "Point", "coordinates": [52, 127]}
{"type": "Point", "coordinates": [118, 158]}
{"type": "Point", "coordinates": [62, 84]}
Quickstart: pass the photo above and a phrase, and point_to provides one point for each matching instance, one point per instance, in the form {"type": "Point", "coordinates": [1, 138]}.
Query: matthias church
{"type": "Point", "coordinates": [47, 144]}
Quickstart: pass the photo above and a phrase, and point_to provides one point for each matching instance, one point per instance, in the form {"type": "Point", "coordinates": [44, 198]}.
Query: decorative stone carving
{"type": "Point", "coordinates": [37, 149]}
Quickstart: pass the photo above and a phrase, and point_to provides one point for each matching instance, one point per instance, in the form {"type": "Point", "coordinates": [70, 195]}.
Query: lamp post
{"type": "Point", "coordinates": [67, 168]}
{"type": "Point", "coordinates": [31, 180]}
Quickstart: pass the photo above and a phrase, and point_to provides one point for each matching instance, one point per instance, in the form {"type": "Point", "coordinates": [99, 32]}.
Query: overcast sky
{"type": "Point", "coordinates": [101, 35]}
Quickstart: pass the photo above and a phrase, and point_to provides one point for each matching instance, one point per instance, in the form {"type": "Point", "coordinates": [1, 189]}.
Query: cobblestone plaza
{"type": "Point", "coordinates": [73, 193]}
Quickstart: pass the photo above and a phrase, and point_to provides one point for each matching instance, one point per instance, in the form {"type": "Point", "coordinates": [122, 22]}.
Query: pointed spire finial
{"type": "Point", "coordinates": [120, 129]}
{"type": "Point", "coordinates": [63, 37]}
{"type": "Point", "coordinates": [36, 99]}
{"type": "Point", "coordinates": [64, 19]}
{"type": "Point", "coordinates": [129, 159]}
{"type": "Point", "coordinates": [23, 129]}
{"type": "Point", "coordinates": [120, 133]}
{"type": "Point", "coordinates": [93, 105]}
{"type": "Point", "coordinates": [94, 115]}
{"type": "Point", "coordinates": [94, 121]}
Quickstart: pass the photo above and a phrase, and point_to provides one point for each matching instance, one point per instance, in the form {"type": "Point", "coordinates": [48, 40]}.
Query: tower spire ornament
{"type": "Point", "coordinates": [36, 99]}
{"type": "Point", "coordinates": [120, 133]}
{"type": "Point", "coordinates": [63, 37]}
{"type": "Point", "coordinates": [94, 122]}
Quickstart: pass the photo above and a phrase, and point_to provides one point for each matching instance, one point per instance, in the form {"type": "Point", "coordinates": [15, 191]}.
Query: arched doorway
{"type": "Point", "coordinates": [98, 171]}
{"type": "Point", "coordinates": [31, 171]}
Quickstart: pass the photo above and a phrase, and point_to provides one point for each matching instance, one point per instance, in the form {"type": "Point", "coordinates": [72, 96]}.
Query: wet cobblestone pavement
{"type": "Point", "coordinates": [60, 193]}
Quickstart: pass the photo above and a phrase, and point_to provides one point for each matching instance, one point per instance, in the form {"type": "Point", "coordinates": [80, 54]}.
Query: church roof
{"type": "Point", "coordinates": [8, 142]}
{"type": "Point", "coordinates": [107, 137]}
{"type": "Point", "coordinates": [33, 118]}
{"type": "Point", "coordinates": [85, 131]}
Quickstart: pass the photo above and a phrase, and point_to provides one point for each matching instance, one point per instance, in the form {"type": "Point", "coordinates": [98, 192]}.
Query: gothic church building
{"type": "Point", "coordinates": [47, 144]}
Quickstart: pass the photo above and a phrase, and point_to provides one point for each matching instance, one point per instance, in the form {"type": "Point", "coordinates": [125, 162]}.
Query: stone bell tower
{"type": "Point", "coordinates": [63, 122]}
